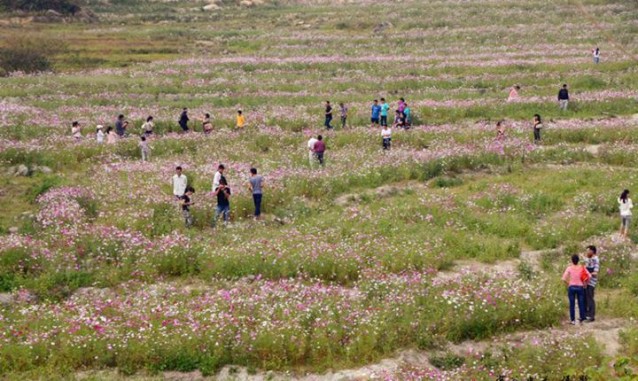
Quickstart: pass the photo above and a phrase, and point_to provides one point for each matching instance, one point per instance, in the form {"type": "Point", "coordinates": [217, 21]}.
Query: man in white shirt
{"type": "Point", "coordinates": [179, 183]}
{"type": "Point", "coordinates": [312, 157]}
{"type": "Point", "coordinates": [218, 176]}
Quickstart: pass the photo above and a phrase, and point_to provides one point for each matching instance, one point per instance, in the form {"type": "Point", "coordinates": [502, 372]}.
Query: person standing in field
{"type": "Point", "coordinates": [180, 181]}
{"type": "Point", "coordinates": [593, 266]}
{"type": "Point", "coordinates": [376, 113]}
{"type": "Point", "coordinates": [513, 96]}
{"type": "Point", "coordinates": [240, 122]}
{"type": "Point", "coordinates": [625, 212]}
{"type": "Point", "coordinates": [385, 107]}
{"type": "Point", "coordinates": [575, 276]}
{"type": "Point", "coordinates": [207, 125]}
{"type": "Point", "coordinates": [256, 185]}
{"type": "Point", "coordinates": [148, 126]}
{"type": "Point", "coordinates": [320, 149]}
{"type": "Point", "coordinates": [596, 55]}
{"type": "Point", "coordinates": [563, 97]}
{"type": "Point", "coordinates": [183, 119]}
{"type": "Point", "coordinates": [312, 157]}
{"type": "Point", "coordinates": [344, 114]}
{"type": "Point", "coordinates": [401, 105]}
{"type": "Point", "coordinates": [407, 116]}
{"type": "Point", "coordinates": [538, 126]}
{"type": "Point", "coordinates": [223, 202]}
{"type": "Point", "coordinates": [99, 134]}
{"type": "Point", "coordinates": [120, 129]}
{"type": "Point", "coordinates": [146, 150]}
{"type": "Point", "coordinates": [186, 204]}
{"type": "Point", "coordinates": [111, 136]}
{"type": "Point", "coordinates": [328, 114]}
{"type": "Point", "coordinates": [386, 138]}
{"type": "Point", "coordinates": [219, 175]}
{"type": "Point", "coordinates": [76, 131]}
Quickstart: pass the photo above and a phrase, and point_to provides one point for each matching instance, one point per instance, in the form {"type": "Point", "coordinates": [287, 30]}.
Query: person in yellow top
{"type": "Point", "coordinates": [241, 121]}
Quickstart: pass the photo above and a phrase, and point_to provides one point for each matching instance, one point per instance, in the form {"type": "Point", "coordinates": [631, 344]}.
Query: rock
{"type": "Point", "coordinates": [13, 230]}
{"type": "Point", "coordinates": [86, 15]}
{"type": "Point", "coordinates": [6, 299]}
{"type": "Point", "coordinates": [246, 3]}
{"type": "Point", "coordinates": [211, 7]}
{"type": "Point", "coordinates": [52, 13]}
{"type": "Point", "coordinates": [383, 26]}
{"type": "Point", "coordinates": [44, 169]}
{"type": "Point", "coordinates": [21, 170]}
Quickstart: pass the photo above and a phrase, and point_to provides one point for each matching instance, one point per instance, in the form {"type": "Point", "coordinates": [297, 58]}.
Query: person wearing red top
{"type": "Point", "coordinates": [320, 148]}
{"type": "Point", "coordinates": [575, 276]}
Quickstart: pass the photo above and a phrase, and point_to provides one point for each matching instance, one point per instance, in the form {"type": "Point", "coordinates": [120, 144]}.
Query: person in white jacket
{"type": "Point", "coordinates": [625, 212]}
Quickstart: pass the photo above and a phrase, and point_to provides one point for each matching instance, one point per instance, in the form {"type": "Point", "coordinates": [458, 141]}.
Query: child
{"type": "Point", "coordinates": [240, 120]}
{"type": "Point", "coordinates": [385, 107]}
{"type": "Point", "coordinates": [407, 116]}
{"type": "Point", "coordinates": [398, 119]}
{"type": "Point", "coordinates": [99, 135]}
{"type": "Point", "coordinates": [76, 131]}
{"type": "Point", "coordinates": [513, 96]}
{"type": "Point", "coordinates": [596, 55]}
{"type": "Point", "coordinates": [500, 130]}
{"type": "Point", "coordinates": [207, 126]}
{"type": "Point", "coordinates": [147, 128]}
{"type": "Point", "coordinates": [186, 203]}
{"type": "Point", "coordinates": [111, 135]}
{"type": "Point", "coordinates": [386, 135]}
{"type": "Point", "coordinates": [376, 113]}
{"type": "Point", "coordinates": [344, 114]}
{"type": "Point", "coordinates": [223, 201]}
{"type": "Point", "coordinates": [144, 148]}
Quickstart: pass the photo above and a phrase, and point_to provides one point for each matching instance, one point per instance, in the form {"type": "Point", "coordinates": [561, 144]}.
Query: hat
{"type": "Point", "coordinates": [99, 126]}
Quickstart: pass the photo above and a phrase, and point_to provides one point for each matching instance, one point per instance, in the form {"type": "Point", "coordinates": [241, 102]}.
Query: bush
{"type": "Point", "coordinates": [62, 6]}
{"type": "Point", "coordinates": [28, 54]}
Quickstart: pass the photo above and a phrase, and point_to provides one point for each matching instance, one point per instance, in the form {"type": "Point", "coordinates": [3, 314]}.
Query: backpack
{"type": "Point", "coordinates": [584, 275]}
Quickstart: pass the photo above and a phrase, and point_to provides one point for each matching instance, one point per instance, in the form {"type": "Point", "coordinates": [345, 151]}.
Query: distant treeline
{"type": "Point", "coordinates": [62, 6]}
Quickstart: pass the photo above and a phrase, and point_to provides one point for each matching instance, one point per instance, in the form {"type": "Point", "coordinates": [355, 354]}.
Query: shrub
{"type": "Point", "coordinates": [28, 54]}
{"type": "Point", "coordinates": [62, 6]}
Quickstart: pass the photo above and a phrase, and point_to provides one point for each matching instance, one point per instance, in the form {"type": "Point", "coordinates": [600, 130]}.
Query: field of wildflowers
{"type": "Point", "coordinates": [353, 262]}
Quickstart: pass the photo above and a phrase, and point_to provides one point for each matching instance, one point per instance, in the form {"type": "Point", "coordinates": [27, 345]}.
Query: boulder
{"type": "Point", "coordinates": [211, 7]}
{"type": "Point", "coordinates": [21, 170]}
{"type": "Point", "coordinates": [6, 299]}
{"type": "Point", "coordinates": [13, 230]}
{"type": "Point", "coordinates": [86, 15]}
{"type": "Point", "coordinates": [53, 13]}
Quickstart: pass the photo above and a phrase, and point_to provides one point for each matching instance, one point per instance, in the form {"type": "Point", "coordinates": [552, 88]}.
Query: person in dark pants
{"type": "Point", "coordinates": [538, 126]}
{"type": "Point", "coordinates": [563, 98]}
{"type": "Point", "coordinates": [573, 277]}
{"type": "Point", "coordinates": [256, 184]}
{"type": "Point", "coordinates": [344, 114]}
{"type": "Point", "coordinates": [328, 116]}
{"type": "Point", "coordinates": [593, 266]}
{"type": "Point", "coordinates": [223, 202]}
{"type": "Point", "coordinates": [320, 148]}
{"type": "Point", "coordinates": [186, 204]}
{"type": "Point", "coordinates": [119, 126]}
{"type": "Point", "coordinates": [183, 119]}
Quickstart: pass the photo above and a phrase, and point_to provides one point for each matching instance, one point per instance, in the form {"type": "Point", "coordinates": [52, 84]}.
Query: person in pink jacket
{"type": "Point", "coordinates": [575, 276]}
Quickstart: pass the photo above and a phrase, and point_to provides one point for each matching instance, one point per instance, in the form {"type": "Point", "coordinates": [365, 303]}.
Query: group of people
{"type": "Point", "coordinates": [183, 192]}
{"type": "Point", "coordinates": [537, 124]}
{"type": "Point", "coordinates": [581, 278]}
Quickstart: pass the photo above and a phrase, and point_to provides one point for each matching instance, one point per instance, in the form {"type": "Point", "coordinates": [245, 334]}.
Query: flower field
{"type": "Point", "coordinates": [451, 244]}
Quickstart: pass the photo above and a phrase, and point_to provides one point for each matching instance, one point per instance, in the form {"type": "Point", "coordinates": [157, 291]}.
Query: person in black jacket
{"type": "Point", "coordinates": [183, 119]}
{"type": "Point", "coordinates": [563, 97]}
